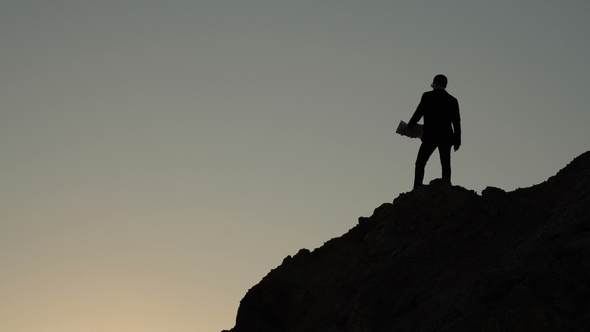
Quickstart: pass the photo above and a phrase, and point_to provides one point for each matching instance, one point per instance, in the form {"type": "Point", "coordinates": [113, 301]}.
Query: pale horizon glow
{"type": "Point", "coordinates": [160, 158]}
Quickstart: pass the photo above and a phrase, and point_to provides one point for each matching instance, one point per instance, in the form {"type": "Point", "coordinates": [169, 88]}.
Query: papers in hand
{"type": "Point", "coordinates": [415, 132]}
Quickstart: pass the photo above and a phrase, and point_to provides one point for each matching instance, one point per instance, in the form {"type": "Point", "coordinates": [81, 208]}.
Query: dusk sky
{"type": "Point", "coordinates": [159, 158]}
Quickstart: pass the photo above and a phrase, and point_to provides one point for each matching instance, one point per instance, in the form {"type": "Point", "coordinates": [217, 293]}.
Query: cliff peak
{"type": "Point", "coordinates": [443, 258]}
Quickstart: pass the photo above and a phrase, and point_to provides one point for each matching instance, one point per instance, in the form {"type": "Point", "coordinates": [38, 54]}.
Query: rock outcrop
{"type": "Point", "coordinates": [443, 258]}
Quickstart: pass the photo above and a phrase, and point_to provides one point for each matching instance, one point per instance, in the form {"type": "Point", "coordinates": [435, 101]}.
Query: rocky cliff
{"type": "Point", "coordinates": [443, 258]}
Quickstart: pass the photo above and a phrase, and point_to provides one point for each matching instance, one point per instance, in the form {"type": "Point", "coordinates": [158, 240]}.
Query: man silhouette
{"type": "Point", "coordinates": [442, 128]}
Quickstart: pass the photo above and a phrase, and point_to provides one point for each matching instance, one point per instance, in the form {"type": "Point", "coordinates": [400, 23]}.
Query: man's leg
{"type": "Point", "coordinates": [426, 150]}
{"type": "Point", "coordinates": [445, 160]}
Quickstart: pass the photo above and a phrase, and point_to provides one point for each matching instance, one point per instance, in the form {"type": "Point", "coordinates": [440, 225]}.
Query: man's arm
{"type": "Point", "coordinates": [417, 114]}
{"type": "Point", "coordinates": [457, 129]}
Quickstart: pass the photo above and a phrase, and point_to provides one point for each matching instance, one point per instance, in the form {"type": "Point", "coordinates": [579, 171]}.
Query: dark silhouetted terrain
{"type": "Point", "coordinates": [443, 258]}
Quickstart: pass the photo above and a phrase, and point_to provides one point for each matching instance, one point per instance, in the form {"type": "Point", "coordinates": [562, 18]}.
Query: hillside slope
{"type": "Point", "coordinates": [442, 258]}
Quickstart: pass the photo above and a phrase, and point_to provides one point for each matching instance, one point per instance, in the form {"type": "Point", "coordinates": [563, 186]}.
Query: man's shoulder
{"type": "Point", "coordinates": [429, 94]}
{"type": "Point", "coordinates": [450, 95]}
{"type": "Point", "coordinates": [439, 96]}
{"type": "Point", "coordinates": [442, 93]}
{"type": "Point", "coordinates": [436, 93]}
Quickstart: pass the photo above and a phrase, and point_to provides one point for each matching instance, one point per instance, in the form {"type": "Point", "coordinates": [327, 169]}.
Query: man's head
{"type": "Point", "coordinates": [439, 82]}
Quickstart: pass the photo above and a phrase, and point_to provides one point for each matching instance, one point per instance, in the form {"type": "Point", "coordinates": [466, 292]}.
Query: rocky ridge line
{"type": "Point", "coordinates": [442, 258]}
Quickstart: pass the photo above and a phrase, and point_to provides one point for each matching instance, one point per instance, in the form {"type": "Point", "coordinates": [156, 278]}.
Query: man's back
{"type": "Point", "coordinates": [439, 110]}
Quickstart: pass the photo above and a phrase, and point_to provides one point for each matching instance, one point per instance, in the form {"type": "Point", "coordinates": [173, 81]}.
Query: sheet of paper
{"type": "Point", "coordinates": [415, 132]}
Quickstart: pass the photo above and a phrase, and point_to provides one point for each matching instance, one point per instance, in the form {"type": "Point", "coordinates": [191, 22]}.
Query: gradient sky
{"type": "Point", "coordinates": [160, 157]}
